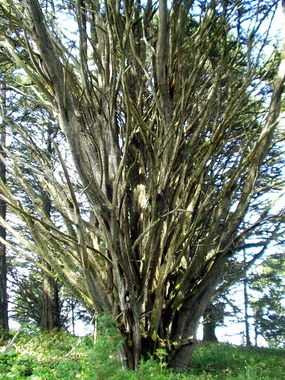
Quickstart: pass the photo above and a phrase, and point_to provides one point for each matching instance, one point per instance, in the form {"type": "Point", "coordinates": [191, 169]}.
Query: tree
{"type": "Point", "coordinates": [27, 299]}
{"type": "Point", "coordinates": [50, 317]}
{"type": "Point", "coordinates": [6, 67]}
{"type": "Point", "coordinates": [26, 292]}
{"type": "Point", "coordinates": [267, 301]}
{"type": "Point", "coordinates": [214, 314]}
{"type": "Point", "coordinates": [49, 308]}
{"type": "Point", "coordinates": [233, 297]}
{"type": "Point", "coordinates": [4, 323]}
{"type": "Point", "coordinates": [163, 113]}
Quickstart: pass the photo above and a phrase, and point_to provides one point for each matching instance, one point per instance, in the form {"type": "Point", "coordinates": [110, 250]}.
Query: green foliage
{"type": "Point", "coordinates": [169, 153]}
{"type": "Point", "coordinates": [6, 361]}
{"type": "Point", "coordinates": [26, 290]}
{"type": "Point", "coordinates": [268, 301]}
{"type": "Point", "coordinates": [225, 361]}
{"type": "Point", "coordinates": [106, 350]}
{"type": "Point", "coordinates": [46, 356]}
{"type": "Point", "coordinates": [40, 355]}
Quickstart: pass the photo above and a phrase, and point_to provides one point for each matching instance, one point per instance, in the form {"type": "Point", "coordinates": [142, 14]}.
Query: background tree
{"type": "Point", "coordinates": [213, 316]}
{"type": "Point", "coordinates": [163, 112]}
{"type": "Point", "coordinates": [267, 300]}
{"type": "Point", "coordinates": [238, 294]}
{"type": "Point", "coordinates": [6, 68]}
{"type": "Point", "coordinates": [26, 292]}
{"type": "Point", "coordinates": [50, 317]}
{"type": "Point", "coordinates": [27, 299]}
{"type": "Point", "coordinates": [233, 298]}
{"type": "Point", "coordinates": [4, 325]}
{"type": "Point", "coordinates": [14, 108]}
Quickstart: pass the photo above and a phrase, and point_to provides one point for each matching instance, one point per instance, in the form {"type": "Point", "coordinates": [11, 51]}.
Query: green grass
{"type": "Point", "coordinates": [225, 361]}
{"type": "Point", "coordinates": [42, 356]}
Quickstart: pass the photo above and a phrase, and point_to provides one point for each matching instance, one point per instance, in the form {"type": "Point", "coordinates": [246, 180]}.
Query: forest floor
{"type": "Point", "coordinates": [58, 355]}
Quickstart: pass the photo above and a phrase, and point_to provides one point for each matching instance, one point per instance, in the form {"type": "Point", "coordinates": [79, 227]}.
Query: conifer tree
{"type": "Point", "coordinates": [168, 115]}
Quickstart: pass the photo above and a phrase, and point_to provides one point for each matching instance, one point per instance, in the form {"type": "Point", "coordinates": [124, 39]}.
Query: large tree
{"type": "Point", "coordinates": [169, 114]}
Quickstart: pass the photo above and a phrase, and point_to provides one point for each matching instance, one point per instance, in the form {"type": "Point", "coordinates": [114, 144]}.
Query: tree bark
{"type": "Point", "coordinates": [4, 323]}
{"type": "Point", "coordinates": [47, 320]}
{"type": "Point", "coordinates": [187, 321]}
{"type": "Point", "coordinates": [209, 328]}
{"type": "Point", "coordinates": [246, 308]}
{"type": "Point", "coordinates": [209, 332]}
{"type": "Point", "coordinates": [167, 144]}
{"type": "Point", "coordinates": [50, 314]}
{"type": "Point", "coordinates": [50, 318]}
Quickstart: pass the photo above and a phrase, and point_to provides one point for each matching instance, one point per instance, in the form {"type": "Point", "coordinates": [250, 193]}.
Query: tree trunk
{"type": "Point", "coordinates": [246, 306]}
{"type": "Point", "coordinates": [47, 319]}
{"type": "Point", "coordinates": [3, 278]}
{"type": "Point", "coordinates": [3, 264]}
{"type": "Point", "coordinates": [56, 305]}
{"type": "Point", "coordinates": [186, 324]}
{"type": "Point", "coordinates": [183, 356]}
{"type": "Point", "coordinates": [165, 140]}
{"type": "Point", "coordinates": [50, 318]}
{"type": "Point", "coordinates": [211, 317]}
{"type": "Point", "coordinates": [51, 313]}
{"type": "Point", "coordinates": [246, 315]}
{"type": "Point", "coordinates": [209, 334]}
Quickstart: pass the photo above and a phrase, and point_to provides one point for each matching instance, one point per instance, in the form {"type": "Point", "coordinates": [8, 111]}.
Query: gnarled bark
{"type": "Point", "coordinates": [160, 115]}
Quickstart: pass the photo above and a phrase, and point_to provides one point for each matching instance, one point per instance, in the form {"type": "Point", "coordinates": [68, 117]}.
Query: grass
{"type": "Point", "coordinates": [226, 361]}
{"type": "Point", "coordinates": [58, 355]}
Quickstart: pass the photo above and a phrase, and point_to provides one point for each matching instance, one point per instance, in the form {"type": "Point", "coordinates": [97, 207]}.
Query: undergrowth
{"type": "Point", "coordinates": [59, 355]}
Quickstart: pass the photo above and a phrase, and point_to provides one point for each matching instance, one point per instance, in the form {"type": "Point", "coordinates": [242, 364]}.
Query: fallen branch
{"type": "Point", "coordinates": [10, 344]}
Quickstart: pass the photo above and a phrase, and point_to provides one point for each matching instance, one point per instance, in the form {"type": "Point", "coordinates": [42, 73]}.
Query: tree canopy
{"type": "Point", "coordinates": [151, 130]}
